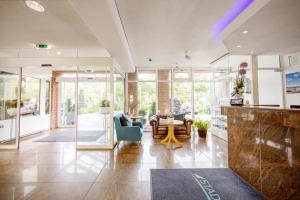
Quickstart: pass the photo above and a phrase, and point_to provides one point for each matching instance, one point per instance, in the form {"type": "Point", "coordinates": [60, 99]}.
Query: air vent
{"type": "Point", "coordinates": [294, 60]}
{"type": "Point", "coordinates": [46, 65]}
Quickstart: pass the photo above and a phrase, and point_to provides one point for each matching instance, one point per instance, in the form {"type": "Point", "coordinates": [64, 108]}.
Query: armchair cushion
{"type": "Point", "coordinates": [139, 124]}
{"type": "Point", "coordinates": [125, 120]}
{"type": "Point", "coordinates": [179, 116]}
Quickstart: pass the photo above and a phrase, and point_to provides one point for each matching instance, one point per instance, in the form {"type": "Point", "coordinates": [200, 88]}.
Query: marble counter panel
{"type": "Point", "coordinates": [264, 149]}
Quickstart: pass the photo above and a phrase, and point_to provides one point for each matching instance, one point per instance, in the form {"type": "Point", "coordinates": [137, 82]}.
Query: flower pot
{"type": "Point", "coordinates": [70, 118]}
{"type": "Point", "coordinates": [104, 110]}
{"type": "Point", "coordinates": [202, 133]}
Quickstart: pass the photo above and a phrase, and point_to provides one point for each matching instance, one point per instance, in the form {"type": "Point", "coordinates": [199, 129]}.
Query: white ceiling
{"type": "Point", "coordinates": [59, 26]}
{"type": "Point", "coordinates": [72, 28]}
{"type": "Point", "coordinates": [164, 30]}
{"type": "Point", "coordinates": [158, 29]}
{"type": "Point", "coordinates": [274, 29]}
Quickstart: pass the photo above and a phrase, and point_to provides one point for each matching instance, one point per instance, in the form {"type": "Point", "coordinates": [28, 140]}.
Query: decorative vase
{"type": "Point", "coordinates": [70, 118]}
{"type": "Point", "coordinates": [202, 133]}
{"type": "Point", "coordinates": [12, 111]}
{"type": "Point", "coordinates": [104, 110]}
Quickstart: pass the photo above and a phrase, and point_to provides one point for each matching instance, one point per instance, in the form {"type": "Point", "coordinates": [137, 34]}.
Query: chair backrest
{"type": "Point", "coordinates": [117, 123]}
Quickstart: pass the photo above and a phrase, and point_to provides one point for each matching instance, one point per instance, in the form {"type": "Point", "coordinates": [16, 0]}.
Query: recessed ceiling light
{"type": "Point", "coordinates": [245, 32]}
{"type": "Point", "coordinates": [58, 52]}
{"type": "Point", "coordinates": [238, 46]}
{"type": "Point", "coordinates": [34, 5]}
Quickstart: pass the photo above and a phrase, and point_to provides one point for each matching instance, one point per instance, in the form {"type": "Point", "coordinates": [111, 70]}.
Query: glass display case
{"type": "Point", "coordinates": [224, 73]}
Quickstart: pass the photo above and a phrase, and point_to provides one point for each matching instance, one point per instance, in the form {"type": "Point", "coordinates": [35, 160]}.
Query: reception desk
{"type": "Point", "coordinates": [264, 148]}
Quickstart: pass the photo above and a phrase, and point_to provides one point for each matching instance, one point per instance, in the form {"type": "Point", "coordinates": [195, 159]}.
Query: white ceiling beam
{"type": "Point", "coordinates": [56, 62]}
{"type": "Point", "coordinates": [103, 19]}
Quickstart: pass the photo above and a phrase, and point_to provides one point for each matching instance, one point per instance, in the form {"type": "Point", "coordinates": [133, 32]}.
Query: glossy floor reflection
{"type": "Point", "coordinates": [42, 170]}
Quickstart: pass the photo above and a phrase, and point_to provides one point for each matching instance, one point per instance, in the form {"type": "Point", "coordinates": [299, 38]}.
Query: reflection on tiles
{"type": "Point", "coordinates": [57, 171]}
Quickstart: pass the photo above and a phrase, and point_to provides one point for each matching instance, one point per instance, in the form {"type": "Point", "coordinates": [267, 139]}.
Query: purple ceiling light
{"type": "Point", "coordinates": [238, 7]}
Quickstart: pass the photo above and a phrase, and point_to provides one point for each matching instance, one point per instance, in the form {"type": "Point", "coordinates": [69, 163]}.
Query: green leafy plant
{"type": "Point", "coordinates": [70, 107]}
{"type": "Point", "coordinates": [105, 103]}
{"type": "Point", "coordinates": [142, 112]}
{"type": "Point", "coordinates": [153, 108]}
{"type": "Point", "coordinates": [170, 115]}
{"type": "Point", "coordinates": [201, 125]}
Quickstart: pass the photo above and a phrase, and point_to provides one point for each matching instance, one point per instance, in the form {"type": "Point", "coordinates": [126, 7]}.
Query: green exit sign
{"type": "Point", "coordinates": [41, 46]}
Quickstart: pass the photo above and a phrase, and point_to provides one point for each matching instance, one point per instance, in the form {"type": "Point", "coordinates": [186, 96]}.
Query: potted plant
{"type": "Point", "coordinates": [104, 107]}
{"type": "Point", "coordinates": [239, 85]}
{"type": "Point", "coordinates": [142, 113]}
{"type": "Point", "coordinates": [170, 117]}
{"type": "Point", "coordinates": [202, 127]}
{"type": "Point", "coordinates": [70, 115]}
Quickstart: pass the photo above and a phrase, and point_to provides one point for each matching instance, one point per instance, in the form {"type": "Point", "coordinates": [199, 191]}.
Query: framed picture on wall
{"type": "Point", "coordinates": [292, 82]}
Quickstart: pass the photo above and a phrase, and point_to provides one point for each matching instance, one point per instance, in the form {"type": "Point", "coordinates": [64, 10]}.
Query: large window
{"type": "Point", "coordinates": [30, 96]}
{"type": "Point", "coordinates": [182, 101]}
{"type": "Point", "coordinates": [8, 95]}
{"type": "Point", "coordinates": [147, 93]}
{"type": "Point", "coordinates": [119, 93]}
{"type": "Point", "coordinates": [181, 91]}
{"type": "Point", "coordinates": [147, 98]}
{"type": "Point", "coordinates": [47, 98]}
{"type": "Point", "coordinates": [202, 95]}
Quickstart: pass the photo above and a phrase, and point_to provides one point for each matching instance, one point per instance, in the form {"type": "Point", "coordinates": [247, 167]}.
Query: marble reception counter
{"type": "Point", "coordinates": [264, 148]}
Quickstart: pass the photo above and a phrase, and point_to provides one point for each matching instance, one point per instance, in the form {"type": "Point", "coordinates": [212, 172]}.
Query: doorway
{"type": "Point", "coordinates": [10, 81]}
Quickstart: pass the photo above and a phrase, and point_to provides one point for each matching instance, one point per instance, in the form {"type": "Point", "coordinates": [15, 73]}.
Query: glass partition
{"type": "Point", "coordinates": [9, 107]}
{"type": "Point", "coordinates": [225, 71]}
{"type": "Point", "coordinates": [93, 107]}
{"type": "Point", "coordinates": [47, 97]}
{"type": "Point", "coordinates": [30, 96]}
{"type": "Point", "coordinates": [67, 102]}
{"type": "Point", "coordinates": [119, 94]}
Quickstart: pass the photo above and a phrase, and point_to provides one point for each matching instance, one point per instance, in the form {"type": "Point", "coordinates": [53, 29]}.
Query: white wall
{"type": "Point", "coordinates": [270, 87]}
{"type": "Point", "coordinates": [28, 124]}
{"type": "Point", "coordinates": [290, 99]}
{"type": "Point", "coordinates": [269, 80]}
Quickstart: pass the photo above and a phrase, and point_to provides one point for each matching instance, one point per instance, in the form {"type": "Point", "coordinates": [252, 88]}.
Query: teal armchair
{"type": "Point", "coordinates": [128, 133]}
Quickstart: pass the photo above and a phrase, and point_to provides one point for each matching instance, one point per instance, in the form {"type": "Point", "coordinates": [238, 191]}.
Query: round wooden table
{"type": "Point", "coordinates": [135, 118]}
{"type": "Point", "coordinates": [171, 137]}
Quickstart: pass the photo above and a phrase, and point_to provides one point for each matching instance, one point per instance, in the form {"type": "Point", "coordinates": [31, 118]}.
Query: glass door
{"type": "Point", "coordinates": [10, 81]}
{"type": "Point", "coordinates": [66, 100]}
{"type": "Point", "coordinates": [93, 108]}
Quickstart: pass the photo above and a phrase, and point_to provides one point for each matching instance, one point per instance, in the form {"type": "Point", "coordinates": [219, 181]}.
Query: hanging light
{"type": "Point", "coordinates": [34, 5]}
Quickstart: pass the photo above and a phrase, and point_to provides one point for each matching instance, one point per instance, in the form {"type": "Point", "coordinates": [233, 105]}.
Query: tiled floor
{"type": "Point", "coordinates": [56, 171]}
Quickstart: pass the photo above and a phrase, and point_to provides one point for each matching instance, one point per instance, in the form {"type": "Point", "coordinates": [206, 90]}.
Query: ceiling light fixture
{"type": "Point", "coordinates": [34, 5]}
{"type": "Point", "coordinates": [58, 52]}
{"type": "Point", "coordinates": [238, 46]}
{"type": "Point", "coordinates": [245, 32]}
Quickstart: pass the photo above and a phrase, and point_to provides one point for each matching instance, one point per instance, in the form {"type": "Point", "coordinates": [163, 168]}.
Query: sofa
{"type": "Point", "coordinates": [128, 133]}
{"type": "Point", "coordinates": [160, 131]}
